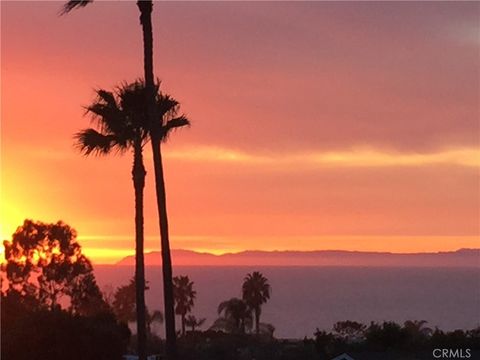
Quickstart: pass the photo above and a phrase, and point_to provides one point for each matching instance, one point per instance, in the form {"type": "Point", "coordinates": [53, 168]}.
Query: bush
{"type": "Point", "coordinates": [58, 334]}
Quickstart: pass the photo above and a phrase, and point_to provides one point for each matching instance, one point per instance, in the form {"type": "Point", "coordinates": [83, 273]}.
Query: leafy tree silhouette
{"type": "Point", "coordinates": [145, 7]}
{"type": "Point", "coordinates": [184, 296]}
{"type": "Point", "coordinates": [237, 316]}
{"type": "Point", "coordinates": [256, 292]}
{"type": "Point", "coordinates": [45, 264]}
{"type": "Point", "coordinates": [124, 307]}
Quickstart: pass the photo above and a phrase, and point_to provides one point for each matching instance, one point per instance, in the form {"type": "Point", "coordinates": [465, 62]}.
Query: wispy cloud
{"type": "Point", "coordinates": [355, 157]}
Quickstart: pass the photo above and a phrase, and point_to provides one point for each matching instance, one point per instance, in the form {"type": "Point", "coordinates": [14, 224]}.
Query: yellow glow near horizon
{"type": "Point", "coordinates": [376, 243]}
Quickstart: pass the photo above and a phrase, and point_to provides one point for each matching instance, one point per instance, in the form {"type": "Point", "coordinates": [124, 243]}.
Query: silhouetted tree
{"type": "Point", "coordinates": [388, 335]}
{"type": "Point", "coordinates": [256, 292]}
{"type": "Point", "coordinates": [192, 322]}
{"type": "Point", "coordinates": [324, 343]}
{"type": "Point", "coordinates": [237, 316]}
{"type": "Point", "coordinates": [157, 134]}
{"type": "Point", "coordinates": [58, 335]}
{"type": "Point", "coordinates": [184, 296]}
{"type": "Point", "coordinates": [121, 121]}
{"type": "Point", "coordinates": [86, 297]}
{"type": "Point", "coordinates": [123, 305]}
{"type": "Point", "coordinates": [45, 264]}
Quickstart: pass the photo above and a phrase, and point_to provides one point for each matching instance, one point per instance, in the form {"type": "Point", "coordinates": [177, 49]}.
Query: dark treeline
{"type": "Point", "coordinates": [388, 340]}
{"type": "Point", "coordinates": [392, 339]}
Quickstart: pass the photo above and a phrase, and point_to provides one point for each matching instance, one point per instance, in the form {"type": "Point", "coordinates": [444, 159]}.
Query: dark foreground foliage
{"type": "Point", "coordinates": [58, 334]}
{"type": "Point", "coordinates": [389, 340]}
{"type": "Point", "coordinates": [386, 341]}
{"type": "Point", "coordinates": [213, 345]}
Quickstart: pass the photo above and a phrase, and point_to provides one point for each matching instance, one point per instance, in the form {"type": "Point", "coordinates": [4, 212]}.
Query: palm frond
{"type": "Point", "coordinates": [106, 110]}
{"type": "Point", "coordinates": [222, 306]}
{"type": "Point", "coordinates": [174, 124]}
{"type": "Point", "coordinates": [166, 105]}
{"type": "Point", "coordinates": [108, 97]}
{"type": "Point", "coordinates": [90, 141]}
{"type": "Point", "coordinates": [73, 4]}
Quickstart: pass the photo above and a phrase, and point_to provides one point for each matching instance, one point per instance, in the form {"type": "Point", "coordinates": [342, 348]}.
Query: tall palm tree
{"type": "Point", "coordinates": [121, 126]}
{"type": "Point", "coordinates": [156, 136]}
{"type": "Point", "coordinates": [237, 315]}
{"type": "Point", "coordinates": [184, 296]}
{"type": "Point", "coordinates": [145, 7]}
{"type": "Point", "coordinates": [256, 292]}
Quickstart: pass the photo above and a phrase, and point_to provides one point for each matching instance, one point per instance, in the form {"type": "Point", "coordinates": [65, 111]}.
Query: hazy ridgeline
{"type": "Point", "coordinates": [304, 298]}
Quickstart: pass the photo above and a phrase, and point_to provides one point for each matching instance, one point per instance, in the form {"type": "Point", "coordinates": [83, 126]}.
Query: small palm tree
{"type": "Point", "coordinates": [237, 315]}
{"type": "Point", "coordinates": [192, 322]}
{"type": "Point", "coordinates": [256, 292]}
{"type": "Point", "coordinates": [184, 296]}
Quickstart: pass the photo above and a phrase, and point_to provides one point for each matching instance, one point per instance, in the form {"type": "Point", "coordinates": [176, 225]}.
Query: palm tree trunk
{"type": "Point", "coordinates": [145, 8]}
{"type": "Point", "coordinates": [138, 176]}
{"type": "Point", "coordinates": [257, 320]}
{"type": "Point", "coordinates": [166, 258]}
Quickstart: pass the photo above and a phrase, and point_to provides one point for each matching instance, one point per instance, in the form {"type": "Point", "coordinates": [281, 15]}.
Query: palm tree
{"type": "Point", "coordinates": [192, 322]}
{"type": "Point", "coordinates": [256, 292]}
{"type": "Point", "coordinates": [237, 315]}
{"type": "Point", "coordinates": [184, 296]}
{"type": "Point", "coordinates": [121, 127]}
{"type": "Point", "coordinates": [156, 136]}
{"type": "Point", "coordinates": [145, 7]}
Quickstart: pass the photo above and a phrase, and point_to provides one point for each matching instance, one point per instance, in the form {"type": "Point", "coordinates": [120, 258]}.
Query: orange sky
{"type": "Point", "coordinates": [314, 125]}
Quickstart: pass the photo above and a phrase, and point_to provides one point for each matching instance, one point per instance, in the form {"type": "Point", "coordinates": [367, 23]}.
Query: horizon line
{"type": "Point", "coordinates": [200, 252]}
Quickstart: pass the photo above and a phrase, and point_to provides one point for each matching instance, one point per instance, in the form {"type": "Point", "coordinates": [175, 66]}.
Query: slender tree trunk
{"type": "Point", "coordinates": [138, 176]}
{"type": "Point", "coordinates": [145, 8]}
{"type": "Point", "coordinates": [166, 259]}
{"type": "Point", "coordinates": [257, 320]}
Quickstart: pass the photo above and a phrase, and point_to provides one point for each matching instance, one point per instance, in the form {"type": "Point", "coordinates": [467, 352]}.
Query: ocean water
{"type": "Point", "coordinates": [306, 298]}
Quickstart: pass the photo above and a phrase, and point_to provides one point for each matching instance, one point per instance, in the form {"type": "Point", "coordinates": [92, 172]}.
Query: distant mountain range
{"type": "Point", "coordinates": [459, 258]}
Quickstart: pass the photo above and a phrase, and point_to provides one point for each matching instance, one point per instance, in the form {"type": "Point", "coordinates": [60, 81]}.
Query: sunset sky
{"type": "Point", "coordinates": [314, 125]}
